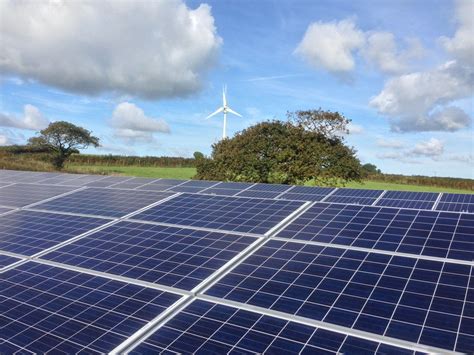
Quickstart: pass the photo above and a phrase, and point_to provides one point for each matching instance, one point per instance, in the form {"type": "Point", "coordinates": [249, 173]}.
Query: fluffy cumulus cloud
{"type": "Point", "coordinates": [390, 143]}
{"type": "Point", "coordinates": [90, 47]}
{"type": "Point", "coordinates": [4, 140]}
{"type": "Point", "coordinates": [331, 45]}
{"type": "Point", "coordinates": [130, 123]}
{"type": "Point", "coordinates": [430, 148]}
{"type": "Point", "coordinates": [31, 119]}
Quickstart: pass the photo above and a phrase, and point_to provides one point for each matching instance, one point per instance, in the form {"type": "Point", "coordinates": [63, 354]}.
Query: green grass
{"type": "Point", "coordinates": [188, 173]}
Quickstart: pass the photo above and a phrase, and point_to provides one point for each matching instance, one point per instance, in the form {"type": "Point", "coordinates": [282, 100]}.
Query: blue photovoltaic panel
{"type": "Point", "coordinates": [220, 212]}
{"type": "Point", "coordinates": [264, 190]}
{"type": "Point", "coordinates": [161, 184]}
{"type": "Point", "coordinates": [354, 196]}
{"type": "Point", "coordinates": [456, 202]}
{"type": "Point", "coordinates": [205, 327]}
{"type": "Point", "coordinates": [408, 199]}
{"type": "Point", "coordinates": [109, 181]}
{"type": "Point", "coordinates": [104, 202]}
{"type": "Point", "coordinates": [6, 260]}
{"type": "Point", "coordinates": [82, 180]}
{"type": "Point", "coordinates": [193, 186]}
{"type": "Point", "coordinates": [29, 232]}
{"type": "Point", "coordinates": [20, 195]}
{"type": "Point", "coordinates": [2, 184]}
{"type": "Point", "coordinates": [307, 193]}
{"type": "Point", "coordinates": [420, 301]}
{"type": "Point", "coordinates": [62, 179]}
{"type": "Point", "coordinates": [169, 256]}
{"type": "Point", "coordinates": [132, 183]}
{"type": "Point", "coordinates": [45, 309]}
{"type": "Point", "coordinates": [431, 233]}
{"type": "Point", "coordinates": [4, 210]}
{"type": "Point", "coordinates": [227, 188]}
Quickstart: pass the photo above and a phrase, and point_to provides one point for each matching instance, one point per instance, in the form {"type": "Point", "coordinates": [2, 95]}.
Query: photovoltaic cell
{"type": "Point", "coordinates": [82, 180]}
{"type": "Point", "coordinates": [416, 300]}
{"type": "Point", "coordinates": [220, 212]}
{"type": "Point", "coordinates": [4, 210]}
{"type": "Point", "coordinates": [430, 233]}
{"type": "Point", "coordinates": [20, 195]}
{"type": "Point", "coordinates": [205, 327]}
{"type": "Point", "coordinates": [354, 196]}
{"type": "Point", "coordinates": [169, 256]}
{"type": "Point", "coordinates": [132, 183]}
{"type": "Point", "coordinates": [264, 190]}
{"type": "Point", "coordinates": [193, 186]}
{"type": "Point", "coordinates": [108, 181]}
{"type": "Point", "coordinates": [46, 309]}
{"type": "Point", "coordinates": [227, 188]}
{"type": "Point", "coordinates": [104, 202]}
{"type": "Point", "coordinates": [161, 184]}
{"type": "Point", "coordinates": [307, 193]}
{"type": "Point", "coordinates": [456, 202]}
{"type": "Point", "coordinates": [408, 199]}
{"type": "Point", "coordinates": [6, 260]}
{"type": "Point", "coordinates": [29, 232]}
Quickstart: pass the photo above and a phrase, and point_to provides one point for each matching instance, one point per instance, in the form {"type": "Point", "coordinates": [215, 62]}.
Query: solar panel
{"type": "Point", "coordinates": [2, 184]}
{"type": "Point", "coordinates": [30, 232]}
{"type": "Point", "coordinates": [169, 256]}
{"type": "Point", "coordinates": [193, 186]}
{"type": "Point", "coordinates": [205, 327]}
{"type": "Point", "coordinates": [264, 190]}
{"type": "Point", "coordinates": [221, 212]}
{"type": "Point", "coordinates": [6, 260]}
{"type": "Point", "coordinates": [108, 181]}
{"type": "Point", "coordinates": [354, 196]}
{"type": "Point", "coordinates": [307, 193]}
{"type": "Point", "coordinates": [161, 184]}
{"type": "Point", "coordinates": [227, 188]}
{"type": "Point", "coordinates": [62, 179]}
{"type": "Point", "coordinates": [4, 210]}
{"type": "Point", "coordinates": [456, 202]}
{"type": "Point", "coordinates": [445, 235]}
{"type": "Point", "coordinates": [49, 309]}
{"type": "Point", "coordinates": [82, 180]}
{"type": "Point", "coordinates": [20, 195]}
{"type": "Point", "coordinates": [416, 300]}
{"type": "Point", "coordinates": [408, 199]}
{"type": "Point", "coordinates": [133, 183]}
{"type": "Point", "coordinates": [104, 202]}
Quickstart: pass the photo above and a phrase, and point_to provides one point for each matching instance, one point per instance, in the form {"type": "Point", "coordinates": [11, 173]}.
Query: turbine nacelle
{"type": "Point", "coordinates": [224, 109]}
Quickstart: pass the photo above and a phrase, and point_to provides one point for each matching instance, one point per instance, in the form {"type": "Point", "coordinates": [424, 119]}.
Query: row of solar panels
{"type": "Point", "coordinates": [400, 199]}
{"type": "Point", "coordinates": [291, 293]}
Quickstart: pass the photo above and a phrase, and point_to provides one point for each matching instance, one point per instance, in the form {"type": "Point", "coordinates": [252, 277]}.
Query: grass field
{"type": "Point", "coordinates": [188, 173]}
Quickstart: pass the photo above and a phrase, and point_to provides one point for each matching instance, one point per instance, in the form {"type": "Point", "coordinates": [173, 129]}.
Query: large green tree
{"type": "Point", "coordinates": [62, 139]}
{"type": "Point", "coordinates": [281, 152]}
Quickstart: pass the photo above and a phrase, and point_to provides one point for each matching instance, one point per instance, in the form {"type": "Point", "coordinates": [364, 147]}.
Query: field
{"type": "Point", "coordinates": [188, 173]}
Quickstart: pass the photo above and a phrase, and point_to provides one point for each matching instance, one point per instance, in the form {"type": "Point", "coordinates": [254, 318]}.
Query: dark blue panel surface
{"type": "Point", "coordinates": [307, 193]}
{"type": "Point", "coordinates": [264, 190]}
{"type": "Point", "coordinates": [428, 233]}
{"type": "Point", "coordinates": [227, 188]}
{"type": "Point", "coordinates": [456, 202]}
{"type": "Point", "coordinates": [161, 184]}
{"type": "Point", "coordinates": [193, 186]}
{"type": "Point", "coordinates": [132, 183]}
{"type": "Point", "coordinates": [408, 199]}
{"type": "Point", "coordinates": [46, 309]}
{"type": "Point", "coordinates": [411, 299]}
{"type": "Point", "coordinates": [20, 195]}
{"type": "Point", "coordinates": [29, 232]}
{"type": "Point", "coordinates": [169, 256]}
{"type": "Point", "coordinates": [104, 202]}
{"type": "Point", "coordinates": [4, 210]}
{"type": "Point", "coordinates": [108, 181]}
{"type": "Point", "coordinates": [354, 196]}
{"type": "Point", "coordinates": [219, 212]}
{"type": "Point", "coordinates": [205, 327]}
{"type": "Point", "coordinates": [6, 260]}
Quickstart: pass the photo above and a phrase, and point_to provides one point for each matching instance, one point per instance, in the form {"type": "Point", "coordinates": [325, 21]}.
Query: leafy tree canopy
{"type": "Point", "coordinates": [63, 139]}
{"type": "Point", "coordinates": [328, 123]}
{"type": "Point", "coordinates": [281, 152]}
{"type": "Point", "coordinates": [369, 169]}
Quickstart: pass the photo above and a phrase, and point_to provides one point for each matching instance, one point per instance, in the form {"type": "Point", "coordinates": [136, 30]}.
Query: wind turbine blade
{"type": "Point", "coordinates": [232, 111]}
{"type": "Point", "coordinates": [215, 112]}
{"type": "Point", "coordinates": [224, 100]}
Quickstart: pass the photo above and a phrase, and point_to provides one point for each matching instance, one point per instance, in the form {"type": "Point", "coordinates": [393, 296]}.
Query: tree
{"type": "Point", "coordinates": [370, 169]}
{"type": "Point", "coordinates": [328, 123]}
{"type": "Point", "coordinates": [198, 156]}
{"type": "Point", "coordinates": [62, 139]}
{"type": "Point", "coordinates": [280, 152]}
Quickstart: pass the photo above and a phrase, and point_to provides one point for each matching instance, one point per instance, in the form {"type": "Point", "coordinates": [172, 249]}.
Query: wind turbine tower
{"type": "Point", "coordinates": [224, 109]}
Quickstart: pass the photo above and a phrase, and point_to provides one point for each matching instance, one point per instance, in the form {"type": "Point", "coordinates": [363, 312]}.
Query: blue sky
{"type": "Point", "coordinates": [402, 71]}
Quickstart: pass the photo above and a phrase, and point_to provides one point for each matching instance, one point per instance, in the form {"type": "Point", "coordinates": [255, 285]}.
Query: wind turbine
{"type": "Point", "coordinates": [224, 109]}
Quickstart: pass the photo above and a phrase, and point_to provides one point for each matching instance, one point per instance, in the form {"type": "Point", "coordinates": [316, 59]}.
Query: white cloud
{"type": "Point", "coordinates": [131, 124]}
{"type": "Point", "coordinates": [331, 45]}
{"type": "Point", "coordinates": [431, 148]}
{"type": "Point", "coordinates": [390, 143]}
{"type": "Point", "coordinates": [4, 140]}
{"type": "Point", "coordinates": [417, 101]}
{"type": "Point", "coordinates": [90, 47]}
{"type": "Point", "coordinates": [382, 52]}
{"type": "Point", "coordinates": [355, 128]}
{"type": "Point", "coordinates": [32, 119]}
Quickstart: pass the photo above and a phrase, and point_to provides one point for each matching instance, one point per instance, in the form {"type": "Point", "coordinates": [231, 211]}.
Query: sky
{"type": "Point", "coordinates": [143, 76]}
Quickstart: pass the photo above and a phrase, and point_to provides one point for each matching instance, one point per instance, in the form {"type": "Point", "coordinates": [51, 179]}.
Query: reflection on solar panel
{"type": "Point", "coordinates": [417, 300]}
{"type": "Point", "coordinates": [169, 256]}
{"type": "Point", "coordinates": [132, 183]}
{"type": "Point", "coordinates": [108, 181]}
{"type": "Point", "coordinates": [29, 232]}
{"type": "Point", "coordinates": [193, 186]}
{"type": "Point", "coordinates": [429, 233]}
{"type": "Point", "coordinates": [220, 212]}
{"type": "Point", "coordinates": [408, 199]}
{"type": "Point", "coordinates": [104, 202]}
{"type": "Point", "coordinates": [6, 260]}
{"type": "Point", "coordinates": [264, 191]}
{"type": "Point", "coordinates": [354, 196]}
{"type": "Point", "coordinates": [227, 188]}
{"type": "Point", "coordinates": [4, 184]}
{"type": "Point", "coordinates": [161, 184]}
{"type": "Point", "coordinates": [20, 195]}
{"type": "Point", "coordinates": [205, 327]}
{"type": "Point", "coordinates": [307, 193]}
{"type": "Point", "coordinates": [4, 210]}
{"type": "Point", "coordinates": [48, 309]}
{"type": "Point", "coordinates": [456, 202]}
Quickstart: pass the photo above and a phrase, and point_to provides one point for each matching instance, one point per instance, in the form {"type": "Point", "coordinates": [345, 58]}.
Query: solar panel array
{"type": "Point", "coordinates": [101, 264]}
